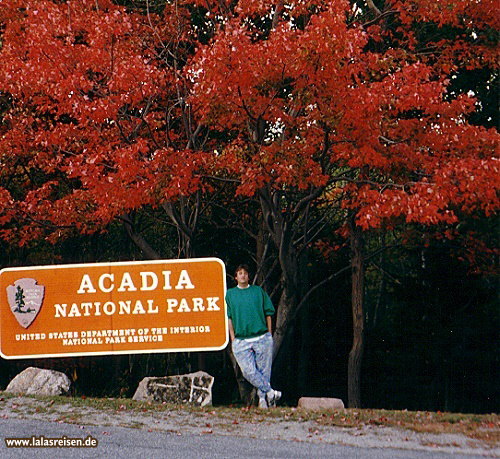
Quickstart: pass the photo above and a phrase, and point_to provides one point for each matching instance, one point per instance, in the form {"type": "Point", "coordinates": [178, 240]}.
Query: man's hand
{"type": "Point", "coordinates": [269, 322]}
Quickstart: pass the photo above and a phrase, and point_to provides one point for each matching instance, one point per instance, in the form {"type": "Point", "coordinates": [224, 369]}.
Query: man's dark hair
{"type": "Point", "coordinates": [240, 267]}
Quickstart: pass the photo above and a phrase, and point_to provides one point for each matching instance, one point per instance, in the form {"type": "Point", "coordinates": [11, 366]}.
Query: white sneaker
{"type": "Point", "coordinates": [263, 404]}
{"type": "Point", "coordinates": [272, 397]}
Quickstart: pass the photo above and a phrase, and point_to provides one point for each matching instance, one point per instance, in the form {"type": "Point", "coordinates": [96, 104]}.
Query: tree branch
{"type": "Point", "coordinates": [138, 239]}
{"type": "Point", "coordinates": [373, 7]}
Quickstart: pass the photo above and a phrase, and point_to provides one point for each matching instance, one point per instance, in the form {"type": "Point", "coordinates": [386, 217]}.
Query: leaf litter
{"type": "Point", "coordinates": [433, 431]}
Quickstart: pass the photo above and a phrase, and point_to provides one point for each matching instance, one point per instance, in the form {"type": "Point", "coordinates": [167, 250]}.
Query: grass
{"type": "Point", "coordinates": [481, 427]}
{"type": "Point", "coordinates": [485, 427]}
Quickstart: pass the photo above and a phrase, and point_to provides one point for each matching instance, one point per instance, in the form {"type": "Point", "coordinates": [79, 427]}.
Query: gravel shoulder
{"type": "Point", "coordinates": [278, 425]}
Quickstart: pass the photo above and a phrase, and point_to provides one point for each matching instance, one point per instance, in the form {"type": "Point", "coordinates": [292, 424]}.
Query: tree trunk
{"type": "Point", "coordinates": [304, 356]}
{"type": "Point", "coordinates": [283, 314]}
{"type": "Point", "coordinates": [356, 354]}
{"type": "Point", "coordinates": [282, 233]}
{"type": "Point", "coordinates": [245, 389]}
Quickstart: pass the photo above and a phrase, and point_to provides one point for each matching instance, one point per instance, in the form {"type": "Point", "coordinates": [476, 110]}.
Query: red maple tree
{"type": "Point", "coordinates": [346, 103]}
{"type": "Point", "coordinates": [336, 102]}
{"type": "Point", "coordinates": [92, 126]}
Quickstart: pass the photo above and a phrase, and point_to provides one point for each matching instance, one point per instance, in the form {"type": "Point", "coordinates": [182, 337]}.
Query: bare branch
{"type": "Point", "coordinates": [177, 219]}
{"type": "Point", "coordinates": [277, 14]}
{"type": "Point", "coordinates": [373, 7]}
{"type": "Point", "coordinates": [138, 239]}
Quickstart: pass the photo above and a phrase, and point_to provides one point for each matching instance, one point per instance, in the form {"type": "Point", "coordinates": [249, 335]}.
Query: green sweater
{"type": "Point", "coordinates": [247, 308]}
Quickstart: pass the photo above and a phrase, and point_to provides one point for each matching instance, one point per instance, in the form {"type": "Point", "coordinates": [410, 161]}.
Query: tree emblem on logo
{"type": "Point", "coordinates": [20, 301]}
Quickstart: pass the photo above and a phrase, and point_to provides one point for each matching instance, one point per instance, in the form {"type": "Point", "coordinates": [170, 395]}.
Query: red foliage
{"type": "Point", "coordinates": [85, 138]}
{"type": "Point", "coordinates": [380, 125]}
{"type": "Point", "coordinates": [99, 121]}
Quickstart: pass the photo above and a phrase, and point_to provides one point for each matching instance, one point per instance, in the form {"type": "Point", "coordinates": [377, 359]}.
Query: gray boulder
{"type": "Point", "coordinates": [193, 388]}
{"type": "Point", "coordinates": [38, 381]}
{"type": "Point", "coordinates": [320, 403]}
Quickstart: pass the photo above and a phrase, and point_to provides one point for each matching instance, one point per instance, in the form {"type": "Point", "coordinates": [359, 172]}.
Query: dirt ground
{"type": "Point", "coordinates": [281, 424]}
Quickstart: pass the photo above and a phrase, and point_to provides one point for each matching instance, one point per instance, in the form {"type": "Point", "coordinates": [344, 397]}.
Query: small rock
{"type": "Point", "coordinates": [320, 403]}
{"type": "Point", "coordinates": [193, 388]}
{"type": "Point", "coordinates": [39, 381]}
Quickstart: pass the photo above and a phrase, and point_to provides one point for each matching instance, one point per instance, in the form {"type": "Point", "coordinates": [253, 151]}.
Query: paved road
{"type": "Point", "coordinates": [120, 442]}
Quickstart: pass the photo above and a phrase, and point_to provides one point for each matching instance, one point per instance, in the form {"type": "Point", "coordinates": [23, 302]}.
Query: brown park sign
{"type": "Point", "coordinates": [113, 308]}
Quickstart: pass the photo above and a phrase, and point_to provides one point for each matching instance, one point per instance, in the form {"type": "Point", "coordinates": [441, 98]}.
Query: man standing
{"type": "Point", "coordinates": [249, 310]}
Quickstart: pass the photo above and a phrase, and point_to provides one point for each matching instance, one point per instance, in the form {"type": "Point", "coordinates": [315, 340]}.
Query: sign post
{"type": "Point", "coordinates": [113, 308]}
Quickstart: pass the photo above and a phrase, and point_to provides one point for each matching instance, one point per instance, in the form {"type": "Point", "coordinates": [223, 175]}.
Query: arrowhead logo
{"type": "Point", "coordinates": [25, 300]}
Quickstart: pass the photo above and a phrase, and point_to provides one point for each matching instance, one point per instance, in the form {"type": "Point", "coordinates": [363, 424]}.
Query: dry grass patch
{"type": "Point", "coordinates": [480, 427]}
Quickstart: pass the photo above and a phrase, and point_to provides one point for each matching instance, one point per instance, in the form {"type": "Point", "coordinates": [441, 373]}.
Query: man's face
{"type": "Point", "coordinates": [242, 277]}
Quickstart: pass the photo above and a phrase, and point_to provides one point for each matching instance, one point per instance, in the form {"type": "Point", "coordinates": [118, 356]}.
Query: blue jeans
{"type": "Point", "coordinates": [255, 359]}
